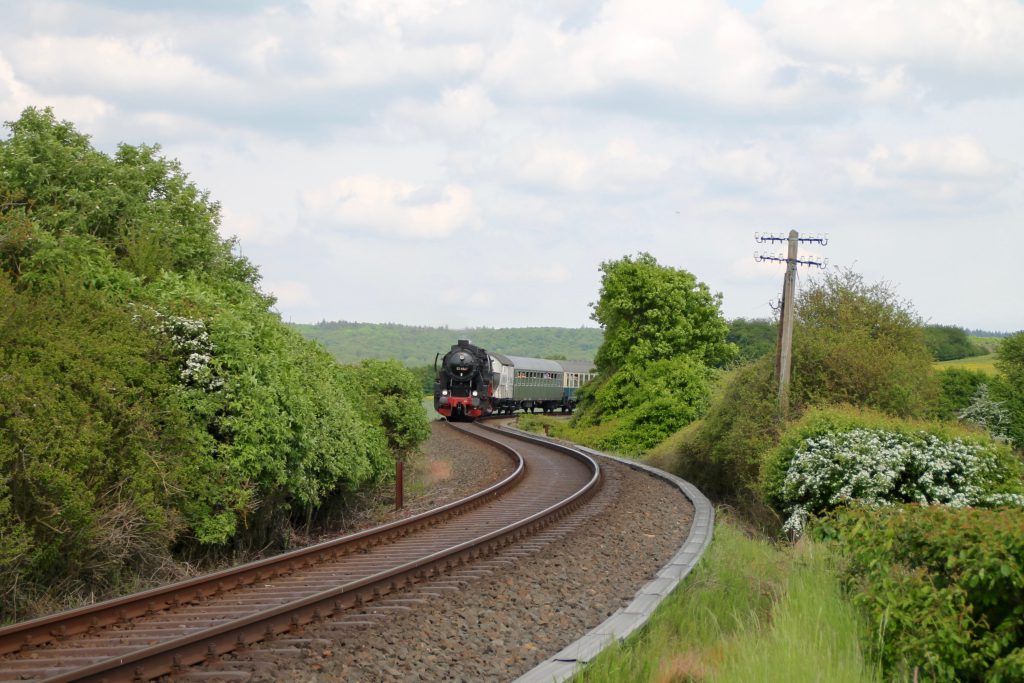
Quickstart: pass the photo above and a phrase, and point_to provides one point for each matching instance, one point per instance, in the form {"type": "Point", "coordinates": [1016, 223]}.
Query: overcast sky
{"type": "Point", "coordinates": [472, 163]}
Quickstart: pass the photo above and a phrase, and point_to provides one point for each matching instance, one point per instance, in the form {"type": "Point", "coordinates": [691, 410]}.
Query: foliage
{"type": "Point", "coordinates": [957, 388]}
{"type": "Point", "coordinates": [351, 342]}
{"type": "Point", "coordinates": [836, 457]}
{"type": "Point", "coordinates": [92, 433]}
{"type": "Point", "coordinates": [988, 414]}
{"type": "Point", "coordinates": [859, 344]}
{"type": "Point", "coordinates": [940, 587]}
{"type": "Point", "coordinates": [949, 343]}
{"type": "Point", "coordinates": [391, 395]}
{"type": "Point", "coordinates": [651, 312]}
{"type": "Point", "coordinates": [754, 338]}
{"type": "Point", "coordinates": [721, 454]}
{"type": "Point", "coordinates": [1009, 389]}
{"type": "Point", "coordinates": [644, 403]}
{"type": "Point", "coordinates": [663, 330]}
{"type": "Point", "coordinates": [150, 400]}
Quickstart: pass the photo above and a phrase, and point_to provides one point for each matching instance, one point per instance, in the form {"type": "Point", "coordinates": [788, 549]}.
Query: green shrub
{"type": "Point", "coordinates": [941, 586]}
{"type": "Point", "coordinates": [92, 436]}
{"type": "Point", "coordinates": [150, 399]}
{"type": "Point", "coordinates": [860, 344]}
{"type": "Point", "coordinates": [835, 457]}
{"type": "Point", "coordinates": [644, 403]}
{"type": "Point", "coordinates": [957, 388]}
{"type": "Point", "coordinates": [722, 453]}
{"type": "Point", "coordinates": [1009, 388]}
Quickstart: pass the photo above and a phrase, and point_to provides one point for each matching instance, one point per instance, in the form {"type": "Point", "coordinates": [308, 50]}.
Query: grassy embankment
{"type": "Point", "coordinates": [750, 611]}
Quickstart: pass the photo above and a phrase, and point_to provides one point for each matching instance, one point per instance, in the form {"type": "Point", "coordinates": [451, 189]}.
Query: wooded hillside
{"type": "Point", "coordinates": [350, 342]}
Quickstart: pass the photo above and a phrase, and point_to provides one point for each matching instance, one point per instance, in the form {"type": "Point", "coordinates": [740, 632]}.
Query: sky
{"type": "Point", "coordinates": [473, 163]}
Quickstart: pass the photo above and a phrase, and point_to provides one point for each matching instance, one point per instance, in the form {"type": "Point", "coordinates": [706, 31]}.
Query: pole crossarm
{"type": "Point", "coordinates": [760, 258]}
{"type": "Point", "coordinates": [766, 237]}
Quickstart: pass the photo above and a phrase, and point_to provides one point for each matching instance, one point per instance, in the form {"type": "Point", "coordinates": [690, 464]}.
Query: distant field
{"type": "Point", "coordinates": [990, 344]}
{"type": "Point", "coordinates": [982, 363]}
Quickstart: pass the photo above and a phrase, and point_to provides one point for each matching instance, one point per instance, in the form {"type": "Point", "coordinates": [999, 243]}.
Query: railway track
{"type": "Point", "coordinates": [165, 630]}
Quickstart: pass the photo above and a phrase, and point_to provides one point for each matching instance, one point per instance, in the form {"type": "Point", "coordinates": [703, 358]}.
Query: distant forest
{"type": "Point", "coordinates": [351, 342]}
{"type": "Point", "coordinates": [415, 347]}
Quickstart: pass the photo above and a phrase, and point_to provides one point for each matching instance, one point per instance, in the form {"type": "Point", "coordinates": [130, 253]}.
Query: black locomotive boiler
{"type": "Point", "coordinates": [462, 390]}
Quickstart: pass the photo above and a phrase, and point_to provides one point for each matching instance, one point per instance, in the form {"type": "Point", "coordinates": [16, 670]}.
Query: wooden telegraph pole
{"type": "Point", "coordinates": [784, 349]}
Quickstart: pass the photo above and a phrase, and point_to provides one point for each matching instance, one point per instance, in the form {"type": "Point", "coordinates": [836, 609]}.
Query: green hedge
{"type": "Point", "coordinates": [942, 586]}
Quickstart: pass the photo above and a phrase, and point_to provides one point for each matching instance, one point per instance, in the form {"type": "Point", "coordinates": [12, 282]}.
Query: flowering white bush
{"type": "Point", "coordinates": [876, 467]}
{"type": "Point", "coordinates": [987, 413]}
{"type": "Point", "coordinates": [189, 337]}
{"type": "Point", "coordinates": [190, 340]}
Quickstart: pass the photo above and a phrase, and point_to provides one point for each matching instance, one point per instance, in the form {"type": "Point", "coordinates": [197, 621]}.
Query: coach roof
{"type": "Point", "coordinates": [535, 364]}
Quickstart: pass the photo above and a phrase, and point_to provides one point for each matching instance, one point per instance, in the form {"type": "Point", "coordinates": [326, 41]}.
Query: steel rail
{"type": "Point", "coordinates": [173, 655]}
{"type": "Point", "coordinates": [64, 624]}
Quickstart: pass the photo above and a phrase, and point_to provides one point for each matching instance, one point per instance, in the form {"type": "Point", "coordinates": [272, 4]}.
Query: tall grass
{"type": "Point", "coordinates": [750, 611]}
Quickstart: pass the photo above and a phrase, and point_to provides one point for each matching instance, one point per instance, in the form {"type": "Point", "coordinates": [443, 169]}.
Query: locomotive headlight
{"type": "Point", "coordinates": [476, 393]}
{"type": "Point", "coordinates": [444, 392]}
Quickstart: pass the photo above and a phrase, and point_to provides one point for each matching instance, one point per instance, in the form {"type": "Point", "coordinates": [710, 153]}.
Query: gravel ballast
{"type": "Point", "coordinates": [497, 618]}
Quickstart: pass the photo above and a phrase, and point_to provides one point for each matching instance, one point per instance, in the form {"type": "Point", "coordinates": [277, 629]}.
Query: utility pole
{"type": "Point", "coordinates": [784, 348]}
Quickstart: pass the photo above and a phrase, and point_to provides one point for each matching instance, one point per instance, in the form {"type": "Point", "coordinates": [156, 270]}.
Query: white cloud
{"type": "Point", "coordinates": [456, 111]}
{"type": "Point", "coordinates": [472, 297]}
{"type": "Point", "coordinates": [618, 166]}
{"type": "Point", "coordinates": [290, 293]}
{"type": "Point", "coordinates": [947, 169]}
{"type": "Point", "coordinates": [116, 65]}
{"type": "Point", "coordinates": [977, 34]}
{"type": "Point", "coordinates": [751, 165]}
{"type": "Point", "coordinates": [545, 268]}
{"type": "Point", "coordinates": [392, 207]}
{"type": "Point", "coordinates": [16, 95]}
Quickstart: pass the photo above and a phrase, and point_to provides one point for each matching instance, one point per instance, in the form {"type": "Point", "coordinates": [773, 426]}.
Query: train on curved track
{"type": "Point", "coordinates": [473, 383]}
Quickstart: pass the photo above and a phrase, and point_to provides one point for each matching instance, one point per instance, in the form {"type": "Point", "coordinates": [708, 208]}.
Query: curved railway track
{"type": "Point", "coordinates": [164, 630]}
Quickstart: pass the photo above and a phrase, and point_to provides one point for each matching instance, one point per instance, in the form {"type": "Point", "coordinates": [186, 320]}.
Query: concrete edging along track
{"type": "Point", "coordinates": [634, 615]}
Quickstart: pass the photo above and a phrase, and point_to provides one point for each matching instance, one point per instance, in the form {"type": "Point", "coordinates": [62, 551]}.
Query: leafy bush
{"type": "Point", "coordinates": [663, 330]}
{"type": "Point", "coordinates": [150, 399]}
{"type": "Point", "coordinates": [957, 389]}
{"type": "Point", "coordinates": [941, 587]}
{"type": "Point", "coordinates": [988, 414]}
{"type": "Point", "coordinates": [721, 454]}
{"type": "Point", "coordinates": [390, 394]}
{"type": "Point", "coordinates": [860, 344]}
{"type": "Point", "coordinates": [833, 458]}
{"type": "Point", "coordinates": [644, 403]}
{"type": "Point", "coordinates": [1009, 388]}
{"type": "Point", "coordinates": [92, 436]}
{"type": "Point", "coordinates": [651, 312]}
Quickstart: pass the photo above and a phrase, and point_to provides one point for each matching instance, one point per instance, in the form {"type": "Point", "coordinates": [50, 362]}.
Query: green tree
{"type": "Point", "coordinates": [949, 343]}
{"type": "Point", "coordinates": [753, 338]}
{"type": "Point", "coordinates": [1009, 388]}
{"type": "Point", "coordinates": [663, 331]}
{"type": "Point", "coordinates": [652, 312]}
{"type": "Point", "coordinates": [860, 344]}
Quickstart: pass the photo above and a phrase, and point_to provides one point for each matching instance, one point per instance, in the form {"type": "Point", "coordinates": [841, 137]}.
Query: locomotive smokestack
{"type": "Point", "coordinates": [463, 342]}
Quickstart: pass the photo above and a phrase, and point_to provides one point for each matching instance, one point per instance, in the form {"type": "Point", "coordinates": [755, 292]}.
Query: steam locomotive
{"type": "Point", "coordinates": [472, 383]}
